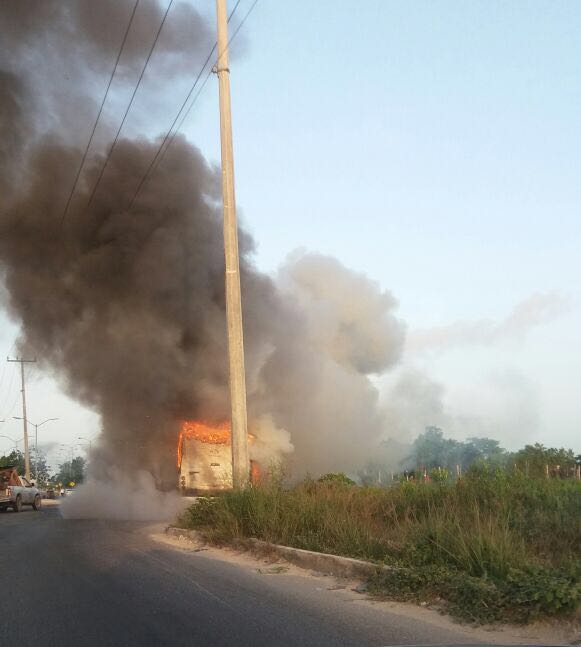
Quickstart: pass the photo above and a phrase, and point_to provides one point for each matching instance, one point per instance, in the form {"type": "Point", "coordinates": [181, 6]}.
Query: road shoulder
{"type": "Point", "coordinates": [352, 590]}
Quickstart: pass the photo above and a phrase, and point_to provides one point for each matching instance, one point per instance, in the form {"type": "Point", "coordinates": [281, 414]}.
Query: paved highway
{"type": "Point", "coordinates": [104, 583]}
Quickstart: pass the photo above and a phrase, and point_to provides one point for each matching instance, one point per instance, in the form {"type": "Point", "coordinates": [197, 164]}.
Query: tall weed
{"type": "Point", "coordinates": [512, 541]}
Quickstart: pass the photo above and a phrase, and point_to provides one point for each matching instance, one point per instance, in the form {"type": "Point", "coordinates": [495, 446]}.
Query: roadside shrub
{"type": "Point", "coordinates": [493, 545]}
{"type": "Point", "coordinates": [338, 478]}
{"type": "Point", "coordinates": [538, 591]}
{"type": "Point", "coordinates": [522, 597]}
{"type": "Point", "coordinates": [203, 513]}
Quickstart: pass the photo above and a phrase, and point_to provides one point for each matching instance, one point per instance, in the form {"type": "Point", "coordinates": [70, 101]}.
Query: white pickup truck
{"type": "Point", "coordinates": [16, 491]}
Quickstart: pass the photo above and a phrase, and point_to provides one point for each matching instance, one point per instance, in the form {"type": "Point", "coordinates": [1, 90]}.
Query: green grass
{"type": "Point", "coordinates": [493, 546]}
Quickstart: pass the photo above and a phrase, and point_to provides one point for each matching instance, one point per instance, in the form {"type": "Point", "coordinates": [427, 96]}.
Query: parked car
{"type": "Point", "coordinates": [16, 491]}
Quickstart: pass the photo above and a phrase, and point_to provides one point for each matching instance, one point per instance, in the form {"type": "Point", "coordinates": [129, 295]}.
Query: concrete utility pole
{"type": "Point", "coordinates": [23, 391]}
{"type": "Point", "coordinates": [240, 462]}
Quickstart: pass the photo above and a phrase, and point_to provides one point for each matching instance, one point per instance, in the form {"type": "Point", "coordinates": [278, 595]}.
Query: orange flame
{"type": "Point", "coordinates": [203, 432]}
{"type": "Point", "coordinates": [254, 473]}
{"type": "Point", "coordinates": [207, 433]}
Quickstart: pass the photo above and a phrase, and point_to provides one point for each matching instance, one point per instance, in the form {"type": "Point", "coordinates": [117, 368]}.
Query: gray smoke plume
{"type": "Point", "coordinates": [126, 305]}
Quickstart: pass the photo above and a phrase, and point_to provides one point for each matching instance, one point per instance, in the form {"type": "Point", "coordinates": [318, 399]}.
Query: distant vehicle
{"type": "Point", "coordinates": [50, 493]}
{"type": "Point", "coordinates": [16, 491]}
{"type": "Point", "coordinates": [69, 491]}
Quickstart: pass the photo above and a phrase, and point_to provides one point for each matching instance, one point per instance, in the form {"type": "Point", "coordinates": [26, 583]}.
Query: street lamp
{"type": "Point", "coordinates": [12, 440]}
{"type": "Point", "coordinates": [89, 441]}
{"type": "Point", "coordinates": [36, 426]}
{"type": "Point", "coordinates": [71, 448]}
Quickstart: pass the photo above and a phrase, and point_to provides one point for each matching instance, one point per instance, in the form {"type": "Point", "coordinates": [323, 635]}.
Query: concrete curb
{"type": "Point", "coordinates": [308, 559]}
{"type": "Point", "coordinates": [192, 535]}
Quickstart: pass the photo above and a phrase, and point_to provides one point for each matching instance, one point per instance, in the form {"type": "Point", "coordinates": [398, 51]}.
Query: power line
{"type": "Point", "coordinates": [210, 72]}
{"type": "Point", "coordinates": [239, 27]}
{"type": "Point", "coordinates": [129, 105]}
{"type": "Point", "coordinates": [208, 75]}
{"type": "Point", "coordinates": [152, 163]}
{"type": "Point", "coordinates": [160, 153]}
{"type": "Point", "coordinates": [99, 113]}
{"type": "Point", "coordinates": [5, 400]}
{"type": "Point", "coordinates": [11, 408]}
{"type": "Point", "coordinates": [4, 367]}
{"type": "Point", "coordinates": [3, 373]}
{"type": "Point", "coordinates": [150, 168]}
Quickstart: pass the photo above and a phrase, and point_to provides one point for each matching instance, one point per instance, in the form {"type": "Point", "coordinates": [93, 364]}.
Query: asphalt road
{"type": "Point", "coordinates": [94, 582]}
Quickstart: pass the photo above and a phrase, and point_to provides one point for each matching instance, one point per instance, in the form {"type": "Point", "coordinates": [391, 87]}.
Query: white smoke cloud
{"type": "Point", "coordinates": [503, 405]}
{"type": "Point", "coordinates": [412, 402]}
{"type": "Point", "coordinates": [536, 310]}
{"type": "Point", "coordinates": [348, 316]}
{"type": "Point", "coordinates": [119, 495]}
{"type": "Point", "coordinates": [271, 444]}
{"type": "Point", "coordinates": [316, 382]}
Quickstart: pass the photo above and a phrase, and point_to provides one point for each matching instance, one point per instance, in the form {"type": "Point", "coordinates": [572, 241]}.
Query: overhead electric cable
{"type": "Point", "coordinates": [235, 33]}
{"type": "Point", "coordinates": [151, 166]}
{"type": "Point", "coordinates": [129, 105]}
{"type": "Point", "coordinates": [6, 364]}
{"type": "Point", "coordinates": [160, 153]}
{"type": "Point", "coordinates": [2, 376]}
{"type": "Point", "coordinates": [66, 209]}
{"type": "Point", "coordinates": [13, 406]}
{"type": "Point", "coordinates": [152, 163]}
{"type": "Point", "coordinates": [210, 72]}
{"type": "Point", "coordinates": [6, 398]}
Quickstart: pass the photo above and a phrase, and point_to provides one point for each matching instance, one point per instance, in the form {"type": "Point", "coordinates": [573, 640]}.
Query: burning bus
{"type": "Point", "coordinates": [204, 458]}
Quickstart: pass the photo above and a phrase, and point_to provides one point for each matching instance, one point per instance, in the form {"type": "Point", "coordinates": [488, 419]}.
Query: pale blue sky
{"type": "Point", "coordinates": [434, 146]}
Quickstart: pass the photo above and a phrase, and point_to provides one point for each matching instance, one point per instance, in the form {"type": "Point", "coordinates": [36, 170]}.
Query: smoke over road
{"type": "Point", "coordinates": [126, 305]}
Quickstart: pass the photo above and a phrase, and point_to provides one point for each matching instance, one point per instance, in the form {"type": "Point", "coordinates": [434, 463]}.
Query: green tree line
{"type": "Point", "coordinates": [72, 471]}
{"type": "Point", "coordinates": [434, 454]}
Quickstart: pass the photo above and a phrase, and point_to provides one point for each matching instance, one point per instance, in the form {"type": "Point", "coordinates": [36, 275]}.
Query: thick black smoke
{"type": "Point", "coordinates": [126, 305]}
